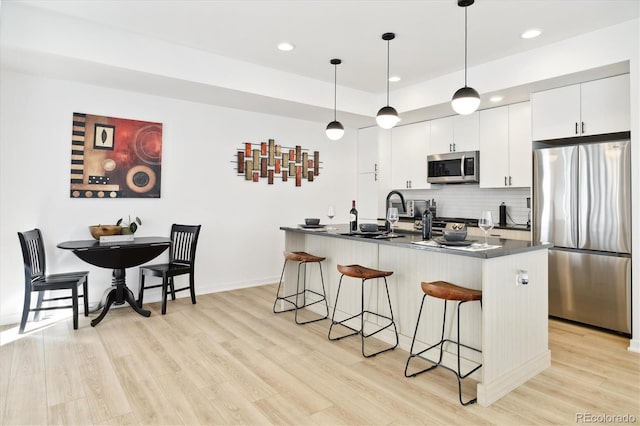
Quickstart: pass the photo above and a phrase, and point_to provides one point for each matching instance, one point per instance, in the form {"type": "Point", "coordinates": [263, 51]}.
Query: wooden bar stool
{"type": "Point", "coordinates": [445, 291]}
{"type": "Point", "coordinates": [357, 271]}
{"type": "Point", "coordinates": [303, 259]}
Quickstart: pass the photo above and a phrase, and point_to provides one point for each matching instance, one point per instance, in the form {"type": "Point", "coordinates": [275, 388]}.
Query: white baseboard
{"type": "Point", "coordinates": [488, 393]}
{"type": "Point", "coordinates": [9, 318]}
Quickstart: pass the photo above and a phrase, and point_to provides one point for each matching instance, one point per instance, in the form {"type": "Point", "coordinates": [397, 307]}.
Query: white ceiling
{"type": "Point", "coordinates": [429, 33]}
{"type": "Point", "coordinates": [228, 42]}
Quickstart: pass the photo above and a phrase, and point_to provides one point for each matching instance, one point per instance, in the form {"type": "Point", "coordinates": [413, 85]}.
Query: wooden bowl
{"type": "Point", "coordinates": [99, 230]}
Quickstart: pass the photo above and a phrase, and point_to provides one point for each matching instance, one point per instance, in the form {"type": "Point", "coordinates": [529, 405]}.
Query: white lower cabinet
{"type": "Point", "coordinates": [505, 146]}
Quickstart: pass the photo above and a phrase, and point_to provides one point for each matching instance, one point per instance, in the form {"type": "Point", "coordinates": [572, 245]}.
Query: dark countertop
{"type": "Point", "coordinates": [407, 239]}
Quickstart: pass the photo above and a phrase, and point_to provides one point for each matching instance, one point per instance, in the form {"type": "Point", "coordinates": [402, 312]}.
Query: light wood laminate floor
{"type": "Point", "coordinates": [230, 360]}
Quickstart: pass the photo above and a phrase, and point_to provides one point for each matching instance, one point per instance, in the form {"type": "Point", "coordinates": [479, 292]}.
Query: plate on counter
{"type": "Point", "coordinates": [442, 241]}
{"type": "Point", "coordinates": [302, 225]}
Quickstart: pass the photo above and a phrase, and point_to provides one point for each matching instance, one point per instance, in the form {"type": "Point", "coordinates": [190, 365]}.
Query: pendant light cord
{"type": "Point", "coordinates": [388, 72]}
{"type": "Point", "coordinates": [465, 46]}
{"type": "Point", "coordinates": [335, 89]}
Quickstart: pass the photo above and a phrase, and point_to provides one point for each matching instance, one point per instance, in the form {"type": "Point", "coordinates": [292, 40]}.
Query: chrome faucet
{"type": "Point", "coordinates": [387, 224]}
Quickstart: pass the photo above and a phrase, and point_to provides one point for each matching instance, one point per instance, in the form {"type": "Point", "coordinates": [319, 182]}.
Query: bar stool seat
{"type": "Point", "coordinates": [303, 258]}
{"type": "Point", "coordinates": [364, 274]}
{"type": "Point", "coordinates": [445, 291]}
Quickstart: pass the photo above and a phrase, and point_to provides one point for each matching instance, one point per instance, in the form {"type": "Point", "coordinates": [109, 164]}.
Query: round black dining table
{"type": "Point", "coordinates": [118, 256]}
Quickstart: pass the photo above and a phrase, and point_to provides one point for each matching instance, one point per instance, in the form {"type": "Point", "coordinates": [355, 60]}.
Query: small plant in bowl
{"type": "Point", "coordinates": [131, 227]}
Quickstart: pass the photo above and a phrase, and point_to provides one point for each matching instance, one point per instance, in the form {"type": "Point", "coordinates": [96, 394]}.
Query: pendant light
{"type": "Point", "coordinates": [335, 130]}
{"type": "Point", "coordinates": [387, 116]}
{"type": "Point", "coordinates": [466, 100]}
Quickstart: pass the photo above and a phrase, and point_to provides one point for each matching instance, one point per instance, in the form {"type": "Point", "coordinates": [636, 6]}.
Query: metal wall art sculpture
{"type": "Point", "coordinates": [269, 160]}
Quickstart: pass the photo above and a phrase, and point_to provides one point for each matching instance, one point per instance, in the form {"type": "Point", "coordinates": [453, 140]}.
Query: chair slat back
{"type": "Point", "coordinates": [33, 254]}
{"type": "Point", "coordinates": [184, 239]}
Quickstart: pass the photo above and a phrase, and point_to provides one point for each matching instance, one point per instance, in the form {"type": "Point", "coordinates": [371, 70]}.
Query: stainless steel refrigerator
{"type": "Point", "coordinates": [582, 205]}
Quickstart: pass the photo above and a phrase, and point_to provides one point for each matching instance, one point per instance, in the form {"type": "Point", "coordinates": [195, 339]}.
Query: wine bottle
{"type": "Point", "coordinates": [426, 224]}
{"type": "Point", "coordinates": [353, 217]}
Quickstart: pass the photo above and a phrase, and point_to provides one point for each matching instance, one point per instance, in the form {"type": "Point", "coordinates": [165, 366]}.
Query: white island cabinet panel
{"type": "Point", "coordinates": [511, 327]}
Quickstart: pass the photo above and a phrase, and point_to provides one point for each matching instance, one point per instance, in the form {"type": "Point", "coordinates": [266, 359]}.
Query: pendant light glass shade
{"type": "Point", "coordinates": [466, 100]}
{"type": "Point", "coordinates": [387, 116]}
{"type": "Point", "coordinates": [335, 129]}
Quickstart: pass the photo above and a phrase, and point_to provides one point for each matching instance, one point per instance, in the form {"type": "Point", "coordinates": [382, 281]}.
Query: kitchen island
{"type": "Point", "coordinates": [511, 328]}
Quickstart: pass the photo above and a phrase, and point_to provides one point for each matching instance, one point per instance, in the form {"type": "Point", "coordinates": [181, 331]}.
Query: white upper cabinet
{"type": "Point", "coordinates": [494, 147]}
{"type": "Point", "coordinates": [374, 180]}
{"type": "Point", "coordinates": [466, 131]}
{"type": "Point", "coordinates": [441, 135]}
{"type": "Point", "coordinates": [520, 150]}
{"type": "Point", "coordinates": [591, 108]}
{"type": "Point", "coordinates": [606, 105]}
{"type": "Point", "coordinates": [409, 149]}
{"type": "Point", "coordinates": [505, 146]}
{"type": "Point", "coordinates": [368, 150]}
{"type": "Point", "coordinates": [454, 134]}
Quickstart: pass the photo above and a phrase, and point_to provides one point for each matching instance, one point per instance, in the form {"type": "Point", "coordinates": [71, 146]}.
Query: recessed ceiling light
{"type": "Point", "coordinates": [532, 33]}
{"type": "Point", "coordinates": [286, 47]}
{"type": "Point", "coordinates": [394, 78]}
{"type": "Point", "coordinates": [496, 98]}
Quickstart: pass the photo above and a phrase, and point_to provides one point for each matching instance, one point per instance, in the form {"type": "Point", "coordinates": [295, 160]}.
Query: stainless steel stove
{"type": "Point", "coordinates": [439, 223]}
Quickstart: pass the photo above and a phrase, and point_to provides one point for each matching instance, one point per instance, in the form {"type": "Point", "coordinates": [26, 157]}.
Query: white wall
{"type": "Point", "coordinates": [468, 200]}
{"type": "Point", "coordinates": [240, 243]}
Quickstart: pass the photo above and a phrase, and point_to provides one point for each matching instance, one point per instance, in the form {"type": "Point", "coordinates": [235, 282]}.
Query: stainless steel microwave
{"type": "Point", "coordinates": [454, 167]}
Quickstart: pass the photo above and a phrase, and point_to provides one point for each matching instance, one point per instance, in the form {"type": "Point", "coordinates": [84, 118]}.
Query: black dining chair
{"type": "Point", "coordinates": [182, 256]}
{"type": "Point", "coordinates": [37, 280]}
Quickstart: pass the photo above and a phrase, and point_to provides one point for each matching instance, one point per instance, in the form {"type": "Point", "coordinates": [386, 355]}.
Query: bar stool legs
{"type": "Point", "coordinates": [364, 274]}
{"type": "Point", "coordinates": [303, 259]}
{"type": "Point", "coordinates": [477, 295]}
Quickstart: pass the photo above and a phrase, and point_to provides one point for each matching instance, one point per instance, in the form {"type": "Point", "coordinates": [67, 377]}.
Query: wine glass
{"type": "Point", "coordinates": [485, 222]}
{"type": "Point", "coordinates": [331, 212]}
{"type": "Point", "coordinates": [393, 218]}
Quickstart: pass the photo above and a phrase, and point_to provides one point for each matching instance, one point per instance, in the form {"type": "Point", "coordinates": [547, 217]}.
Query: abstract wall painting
{"type": "Point", "coordinates": [115, 157]}
{"type": "Point", "coordinates": [270, 160]}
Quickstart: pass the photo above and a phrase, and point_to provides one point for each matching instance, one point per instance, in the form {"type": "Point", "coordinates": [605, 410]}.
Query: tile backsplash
{"type": "Point", "coordinates": [468, 200]}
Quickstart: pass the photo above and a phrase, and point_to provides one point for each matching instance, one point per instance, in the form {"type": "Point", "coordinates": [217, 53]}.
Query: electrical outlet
{"type": "Point", "coordinates": [522, 277]}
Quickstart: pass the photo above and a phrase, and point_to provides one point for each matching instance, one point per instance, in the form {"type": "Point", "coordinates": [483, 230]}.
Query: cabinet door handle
{"type": "Point", "coordinates": [454, 147]}
{"type": "Point", "coordinates": [450, 147]}
{"type": "Point", "coordinates": [583, 127]}
{"type": "Point", "coordinates": [375, 177]}
{"type": "Point", "coordinates": [509, 180]}
{"type": "Point", "coordinates": [576, 127]}
{"type": "Point", "coordinates": [505, 181]}
{"type": "Point", "coordinates": [375, 167]}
